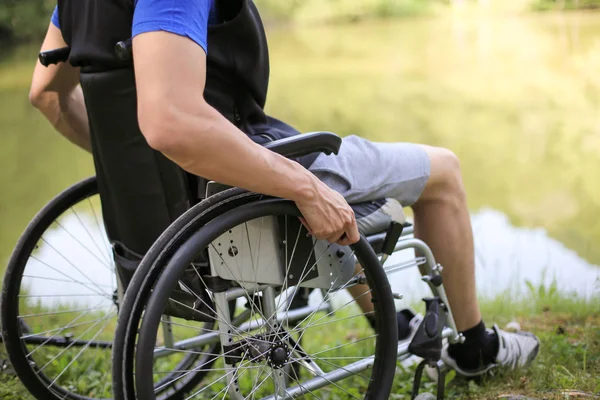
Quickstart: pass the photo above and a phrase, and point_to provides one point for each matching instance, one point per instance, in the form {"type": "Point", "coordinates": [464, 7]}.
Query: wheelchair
{"type": "Point", "coordinates": [233, 300]}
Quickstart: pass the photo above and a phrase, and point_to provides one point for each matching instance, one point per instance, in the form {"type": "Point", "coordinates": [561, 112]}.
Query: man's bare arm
{"type": "Point", "coordinates": [55, 91]}
{"type": "Point", "coordinates": [176, 120]}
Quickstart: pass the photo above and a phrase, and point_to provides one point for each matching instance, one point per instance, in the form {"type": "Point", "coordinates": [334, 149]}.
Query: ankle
{"type": "Point", "coordinates": [480, 348]}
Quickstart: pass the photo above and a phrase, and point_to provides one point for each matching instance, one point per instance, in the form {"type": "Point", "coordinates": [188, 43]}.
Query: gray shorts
{"type": "Point", "coordinates": [366, 171]}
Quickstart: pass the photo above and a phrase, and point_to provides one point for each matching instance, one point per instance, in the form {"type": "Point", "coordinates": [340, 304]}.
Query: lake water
{"type": "Point", "coordinates": [515, 96]}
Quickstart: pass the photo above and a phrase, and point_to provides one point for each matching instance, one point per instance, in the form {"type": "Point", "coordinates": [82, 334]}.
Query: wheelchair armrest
{"type": "Point", "coordinates": [294, 146]}
{"type": "Point", "coordinates": [301, 145]}
{"type": "Point", "coordinates": [54, 56]}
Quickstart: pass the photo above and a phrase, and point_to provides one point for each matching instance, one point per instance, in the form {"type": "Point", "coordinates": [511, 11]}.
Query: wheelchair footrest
{"type": "Point", "coordinates": [427, 343]}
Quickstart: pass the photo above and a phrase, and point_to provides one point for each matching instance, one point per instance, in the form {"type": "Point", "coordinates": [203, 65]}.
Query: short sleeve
{"type": "Point", "coordinates": [187, 18]}
{"type": "Point", "coordinates": [54, 18]}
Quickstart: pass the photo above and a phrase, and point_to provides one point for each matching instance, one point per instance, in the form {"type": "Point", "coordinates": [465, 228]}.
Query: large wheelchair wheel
{"type": "Point", "coordinates": [259, 254]}
{"type": "Point", "coordinates": [132, 306]}
{"type": "Point", "coordinates": [60, 300]}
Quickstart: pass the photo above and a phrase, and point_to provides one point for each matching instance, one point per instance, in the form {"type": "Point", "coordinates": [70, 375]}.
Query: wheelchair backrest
{"type": "Point", "coordinates": [142, 191]}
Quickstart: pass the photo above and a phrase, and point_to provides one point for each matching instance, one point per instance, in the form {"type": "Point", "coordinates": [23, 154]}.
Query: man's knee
{"type": "Point", "coordinates": [445, 180]}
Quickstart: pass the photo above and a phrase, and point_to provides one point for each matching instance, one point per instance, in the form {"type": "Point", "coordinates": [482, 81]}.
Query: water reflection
{"type": "Point", "coordinates": [72, 267]}
{"type": "Point", "coordinates": [508, 258]}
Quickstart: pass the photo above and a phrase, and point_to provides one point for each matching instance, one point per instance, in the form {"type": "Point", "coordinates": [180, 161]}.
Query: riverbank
{"type": "Point", "coordinates": [568, 363]}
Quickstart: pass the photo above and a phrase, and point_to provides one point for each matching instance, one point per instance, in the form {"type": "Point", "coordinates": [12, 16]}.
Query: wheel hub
{"type": "Point", "coordinates": [279, 355]}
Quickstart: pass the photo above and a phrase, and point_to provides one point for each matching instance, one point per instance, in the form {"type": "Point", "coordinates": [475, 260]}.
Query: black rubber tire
{"type": "Point", "coordinates": [146, 273]}
{"type": "Point", "coordinates": [11, 329]}
{"type": "Point", "coordinates": [189, 246]}
{"type": "Point", "coordinates": [12, 326]}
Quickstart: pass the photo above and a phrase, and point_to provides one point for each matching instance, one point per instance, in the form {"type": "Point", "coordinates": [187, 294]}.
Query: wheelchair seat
{"type": "Point", "coordinates": [372, 217]}
{"type": "Point", "coordinates": [375, 216]}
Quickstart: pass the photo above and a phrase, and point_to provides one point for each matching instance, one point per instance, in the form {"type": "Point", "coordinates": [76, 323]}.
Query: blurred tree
{"type": "Point", "coordinates": [27, 20]}
{"type": "Point", "coordinates": [566, 4]}
{"type": "Point", "coordinates": [22, 20]}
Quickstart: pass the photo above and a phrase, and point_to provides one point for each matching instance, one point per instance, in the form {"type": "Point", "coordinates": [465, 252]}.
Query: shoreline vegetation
{"type": "Point", "coordinates": [26, 21]}
{"type": "Point", "coordinates": [567, 366]}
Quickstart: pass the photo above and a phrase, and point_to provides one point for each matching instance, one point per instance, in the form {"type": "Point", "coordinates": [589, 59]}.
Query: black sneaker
{"type": "Point", "coordinates": [414, 320]}
{"type": "Point", "coordinates": [189, 300]}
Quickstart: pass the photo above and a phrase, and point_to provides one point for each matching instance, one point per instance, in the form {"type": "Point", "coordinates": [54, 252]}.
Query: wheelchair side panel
{"type": "Point", "coordinates": [256, 252]}
{"type": "Point", "coordinates": [248, 253]}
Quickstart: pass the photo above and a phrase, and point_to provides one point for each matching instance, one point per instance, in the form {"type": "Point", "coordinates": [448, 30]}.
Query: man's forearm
{"type": "Point", "coordinates": [67, 113]}
{"type": "Point", "coordinates": [212, 147]}
{"type": "Point", "coordinates": [75, 119]}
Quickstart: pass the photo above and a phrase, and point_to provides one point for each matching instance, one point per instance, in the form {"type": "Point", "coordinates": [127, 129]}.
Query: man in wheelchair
{"type": "Point", "coordinates": [201, 73]}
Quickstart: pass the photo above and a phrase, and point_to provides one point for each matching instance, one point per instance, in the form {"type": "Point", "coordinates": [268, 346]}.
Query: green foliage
{"type": "Point", "coordinates": [22, 20]}
{"type": "Point", "coordinates": [27, 20]}
{"type": "Point", "coordinates": [342, 10]}
{"type": "Point", "coordinates": [277, 9]}
{"type": "Point", "coordinates": [543, 5]}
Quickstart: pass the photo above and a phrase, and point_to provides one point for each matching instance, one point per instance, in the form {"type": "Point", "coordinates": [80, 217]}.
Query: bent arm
{"type": "Point", "coordinates": [55, 91]}
{"type": "Point", "coordinates": [176, 120]}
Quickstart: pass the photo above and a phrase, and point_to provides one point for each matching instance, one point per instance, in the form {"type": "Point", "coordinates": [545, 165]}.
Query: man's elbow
{"type": "Point", "coordinates": [36, 97]}
{"type": "Point", "coordinates": [166, 129]}
{"type": "Point", "coordinates": [44, 100]}
{"type": "Point", "coordinates": [159, 128]}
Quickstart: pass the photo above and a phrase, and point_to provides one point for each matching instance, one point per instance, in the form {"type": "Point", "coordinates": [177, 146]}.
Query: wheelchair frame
{"type": "Point", "coordinates": [426, 343]}
{"type": "Point", "coordinates": [377, 242]}
{"type": "Point", "coordinates": [404, 243]}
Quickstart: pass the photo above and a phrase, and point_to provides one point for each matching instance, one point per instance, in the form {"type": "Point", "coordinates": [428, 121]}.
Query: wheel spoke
{"type": "Point", "coordinates": [100, 293]}
{"type": "Point", "coordinates": [102, 230]}
{"type": "Point", "coordinates": [86, 230]}
{"type": "Point", "coordinates": [62, 312]}
{"type": "Point", "coordinates": [71, 344]}
{"type": "Point", "coordinates": [80, 352]}
{"type": "Point", "coordinates": [102, 262]}
{"type": "Point", "coordinates": [69, 325]}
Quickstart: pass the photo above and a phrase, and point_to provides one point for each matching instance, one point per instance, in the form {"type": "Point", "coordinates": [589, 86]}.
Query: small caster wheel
{"type": "Point", "coordinates": [425, 396]}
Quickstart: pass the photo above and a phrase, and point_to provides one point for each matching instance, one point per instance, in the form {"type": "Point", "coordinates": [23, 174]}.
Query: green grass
{"type": "Point", "coordinates": [569, 360]}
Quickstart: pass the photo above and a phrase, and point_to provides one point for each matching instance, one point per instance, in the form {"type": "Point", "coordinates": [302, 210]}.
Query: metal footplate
{"type": "Point", "coordinates": [427, 343]}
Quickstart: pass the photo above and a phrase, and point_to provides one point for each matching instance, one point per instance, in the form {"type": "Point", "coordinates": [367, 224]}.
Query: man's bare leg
{"type": "Point", "coordinates": [442, 221]}
{"type": "Point", "coordinates": [362, 296]}
{"type": "Point", "coordinates": [361, 293]}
